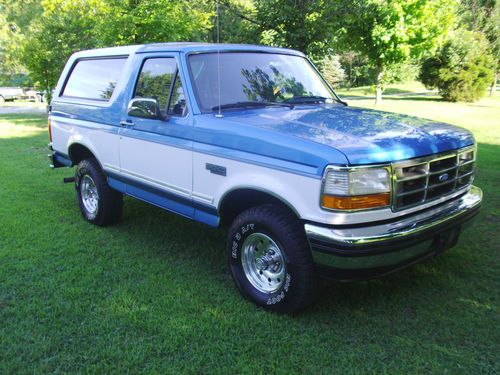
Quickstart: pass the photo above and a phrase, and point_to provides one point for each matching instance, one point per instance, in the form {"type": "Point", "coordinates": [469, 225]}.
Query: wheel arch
{"type": "Point", "coordinates": [78, 152]}
{"type": "Point", "coordinates": [237, 200]}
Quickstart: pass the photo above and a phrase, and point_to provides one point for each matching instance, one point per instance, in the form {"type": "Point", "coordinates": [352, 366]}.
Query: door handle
{"type": "Point", "coordinates": [127, 124]}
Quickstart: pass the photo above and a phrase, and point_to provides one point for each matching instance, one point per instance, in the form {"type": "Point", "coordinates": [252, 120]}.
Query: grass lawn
{"type": "Point", "coordinates": [153, 293]}
{"type": "Point", "coordinates": [413, 87]}
{"type": "Point", "coordinates": [24, 103]}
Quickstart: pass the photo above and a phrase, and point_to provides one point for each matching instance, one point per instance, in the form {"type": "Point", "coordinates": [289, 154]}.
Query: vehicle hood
{"type": "Point", "coordinates": [364, 136]}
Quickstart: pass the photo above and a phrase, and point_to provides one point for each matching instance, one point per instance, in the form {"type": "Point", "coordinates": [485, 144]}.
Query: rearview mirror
{"type": "Point", "coordinates": [145, 108]}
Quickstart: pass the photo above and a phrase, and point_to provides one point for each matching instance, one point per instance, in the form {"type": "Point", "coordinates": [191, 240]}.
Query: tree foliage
{"type": "Point", "coordinates": [237, 22]}
{"type": "Point", "coordinates": [15, 17]}
{"type": "Point", "coordinates": [300, 24]}
{"type": "Point", "coordinates": [63, 28]}
{"type": "Point", "coordinates": [332, 70]}
{"type": "Point", "coordinates": [149, 21]}
{"type": "Point", "coordinates": [393, 31]}
{"type": "Point", "coordinates": [375, 40]}
{"type": "Point", "coordinates": [463, 68]}
{"type": "Point", "coordinates": [67, 26]}
{"type": "Point", "coordinates": [484, 16]}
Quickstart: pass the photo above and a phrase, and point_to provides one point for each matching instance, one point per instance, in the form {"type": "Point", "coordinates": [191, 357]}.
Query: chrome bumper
{"type": "Point", "coordinates": [389, 246]}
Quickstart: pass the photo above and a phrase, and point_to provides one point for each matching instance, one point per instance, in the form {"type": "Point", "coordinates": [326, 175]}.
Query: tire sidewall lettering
{"type": "Point", "coordinates": [236, 243]}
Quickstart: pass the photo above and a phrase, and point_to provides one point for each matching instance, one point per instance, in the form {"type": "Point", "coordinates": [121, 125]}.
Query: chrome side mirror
{"type": "Point", "coordinates": [145, 108]}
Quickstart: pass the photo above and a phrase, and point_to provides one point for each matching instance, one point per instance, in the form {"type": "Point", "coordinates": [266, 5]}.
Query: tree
{"type": "Point", "coordinates": [332, 70]}
{"type": "Point", "coordinates": [389, 32]}
{"type": "Point", "coordinates": [299, 24]}
{"type": "Point", "coordinates": [484, 16]}
{"type": "Point", "coordinates": [149, 21]}
{"type": "Point", "coordinates": [492, 32]}
{"type": "Point", "coordinates": [15, 17]}
{"type": "Point", "coordinates": [237, 22]}
{"type": "Point", "coordinates": [66, 26]}
{"type": "Point", "coordinates": [63, 28]}
{"type": "Point", "coordinates": [463, 68]}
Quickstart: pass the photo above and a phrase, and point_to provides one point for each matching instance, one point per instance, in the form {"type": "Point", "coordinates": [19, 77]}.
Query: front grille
{"type": "Point", "coordinates": [422, 180]}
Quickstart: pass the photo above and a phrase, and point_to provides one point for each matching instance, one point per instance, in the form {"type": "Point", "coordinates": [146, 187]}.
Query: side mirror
{"type": "Point", "coordinates": [145, 108]}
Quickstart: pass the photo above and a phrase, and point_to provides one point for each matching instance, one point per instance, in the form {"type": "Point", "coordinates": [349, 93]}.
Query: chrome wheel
{"type": "Point", "coordinates": [263, 263]}
{"type": "Point", "coordinates": [90, 197]}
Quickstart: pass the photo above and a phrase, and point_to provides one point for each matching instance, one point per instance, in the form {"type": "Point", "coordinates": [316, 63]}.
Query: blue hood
{"type": "Point", "coordinates": [364, 136]}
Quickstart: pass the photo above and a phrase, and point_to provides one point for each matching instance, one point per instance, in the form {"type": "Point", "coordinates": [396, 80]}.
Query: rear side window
{"type": "Point", "coordinates": [94, 79]}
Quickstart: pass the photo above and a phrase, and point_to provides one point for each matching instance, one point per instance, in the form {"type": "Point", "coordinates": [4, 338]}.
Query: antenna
{"type": "Point", "coordinates": [219, 113]}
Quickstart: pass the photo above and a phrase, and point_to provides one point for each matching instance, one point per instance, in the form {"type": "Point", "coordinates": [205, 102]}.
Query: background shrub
{"type": "Point", "coordinates": [462, 69]}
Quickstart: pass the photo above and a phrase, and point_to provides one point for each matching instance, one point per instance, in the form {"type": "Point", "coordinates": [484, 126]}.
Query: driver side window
{"type": "Point", "coordinates": [159, 79]}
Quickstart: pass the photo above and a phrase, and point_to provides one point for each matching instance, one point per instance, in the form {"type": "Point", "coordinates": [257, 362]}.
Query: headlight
{"type": "Point", "coordinates": [356, 189]}
{"type": "Point", "coordinates": [465, 157]}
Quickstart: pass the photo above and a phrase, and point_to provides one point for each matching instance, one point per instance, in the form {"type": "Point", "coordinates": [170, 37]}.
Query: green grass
{"type": "Point", "coordinates": [24, 103]}
{"type": "Point", "coordinates": [153, 293]}
{"type": "Point", "coordinates": [407, 88]}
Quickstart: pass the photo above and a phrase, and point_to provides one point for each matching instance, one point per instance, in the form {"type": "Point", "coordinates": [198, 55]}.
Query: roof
{"type": "Point", "coordinates": [184, 47]}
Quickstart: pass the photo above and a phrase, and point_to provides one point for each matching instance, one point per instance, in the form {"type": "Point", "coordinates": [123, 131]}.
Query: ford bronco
{"type": "Point", "coordinates": [255, 138]}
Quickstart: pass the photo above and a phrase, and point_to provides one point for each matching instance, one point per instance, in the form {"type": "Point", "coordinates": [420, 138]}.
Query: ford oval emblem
{"type": "Point", "coordinates": [443, 177]}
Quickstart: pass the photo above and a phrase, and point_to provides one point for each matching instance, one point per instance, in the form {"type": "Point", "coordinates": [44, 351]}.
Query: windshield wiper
{"type": "Point", "coordinates": [251, 105]}
{"type": "Point", "coordinates": [307, 99]}
{"type": "Point", "coordinates": [312, 99]}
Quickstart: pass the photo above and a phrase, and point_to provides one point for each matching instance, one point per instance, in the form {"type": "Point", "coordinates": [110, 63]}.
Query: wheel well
{"type": "Point", "coordinates": [78, 152]}
{"type": "Point", "coordinates": [240, 200]}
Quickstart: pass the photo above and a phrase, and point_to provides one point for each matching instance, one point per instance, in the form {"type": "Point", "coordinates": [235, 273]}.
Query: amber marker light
{"type": "Point", "coordinates": [356, 202]}
{"type": "Point", "coordinates": [50, 129]}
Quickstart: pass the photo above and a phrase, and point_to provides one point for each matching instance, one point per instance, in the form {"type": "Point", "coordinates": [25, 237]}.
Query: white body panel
{"type": "Point", "coordinates": [299, 192]}
{"type": "Point", "coordinates": [101, 140]}
{"type": "Point", "coordinates": [167, 167]}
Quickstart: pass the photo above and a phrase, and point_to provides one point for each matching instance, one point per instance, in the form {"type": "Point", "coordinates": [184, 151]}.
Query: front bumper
{"type": "Point", "coordinates": [361, 252]}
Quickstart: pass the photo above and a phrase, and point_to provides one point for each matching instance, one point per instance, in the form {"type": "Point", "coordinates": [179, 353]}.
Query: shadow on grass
{"type": "Point", "coordinates": [394, 90]}
{"type": "Point", "coordinates": [413, 97]}
{"type": "Point", "coordinates": [25, 119]}
{"type": "Point", "coordinates": [417, 98]}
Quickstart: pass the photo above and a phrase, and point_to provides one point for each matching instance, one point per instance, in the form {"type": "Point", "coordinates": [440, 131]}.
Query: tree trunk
{"type": "Point", "coordinates": [493, 88]}
{"type": "Point", "coordinates": [380, 72]}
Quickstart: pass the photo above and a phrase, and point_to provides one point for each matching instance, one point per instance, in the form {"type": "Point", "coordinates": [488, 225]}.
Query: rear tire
{"type": "Point", "coordinates": [270, 259]}
{"type": "Point", "coordinates": [99, 203]}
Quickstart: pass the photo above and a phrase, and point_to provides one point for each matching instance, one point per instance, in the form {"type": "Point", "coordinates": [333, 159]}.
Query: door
{"type": "Point", "coordinates": [156, 151]}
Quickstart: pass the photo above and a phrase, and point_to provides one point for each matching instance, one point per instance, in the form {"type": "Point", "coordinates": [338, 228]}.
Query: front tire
{"type": "Point", "coordinates": [98, 202]}
{"type": "Point", "coordinates": [270, 260]}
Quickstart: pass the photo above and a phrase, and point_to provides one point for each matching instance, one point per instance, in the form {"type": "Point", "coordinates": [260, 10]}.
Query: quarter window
{"type": "Point", "coordinates": [94, 79]}
{"type": "Point", "coordinates": [177, 106]}
{"type": "Point", "coordinates": [159, 79]}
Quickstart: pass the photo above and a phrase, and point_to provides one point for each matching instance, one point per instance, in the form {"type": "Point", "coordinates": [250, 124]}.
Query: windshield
{"type": "Point", "coordinates": [253, 78]}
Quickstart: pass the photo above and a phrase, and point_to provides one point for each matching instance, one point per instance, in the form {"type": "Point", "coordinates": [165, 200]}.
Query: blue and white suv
{"type": "Point", "coordinates": [254, 137]}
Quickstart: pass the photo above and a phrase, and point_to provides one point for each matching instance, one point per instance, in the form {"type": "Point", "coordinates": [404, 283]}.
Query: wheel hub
{"type": "Point", "coordinates": [270, 260]}
{"type": "Point", "coordinates": [263, 263]}
{"type": "Point", "coordinates": [90, 197]}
